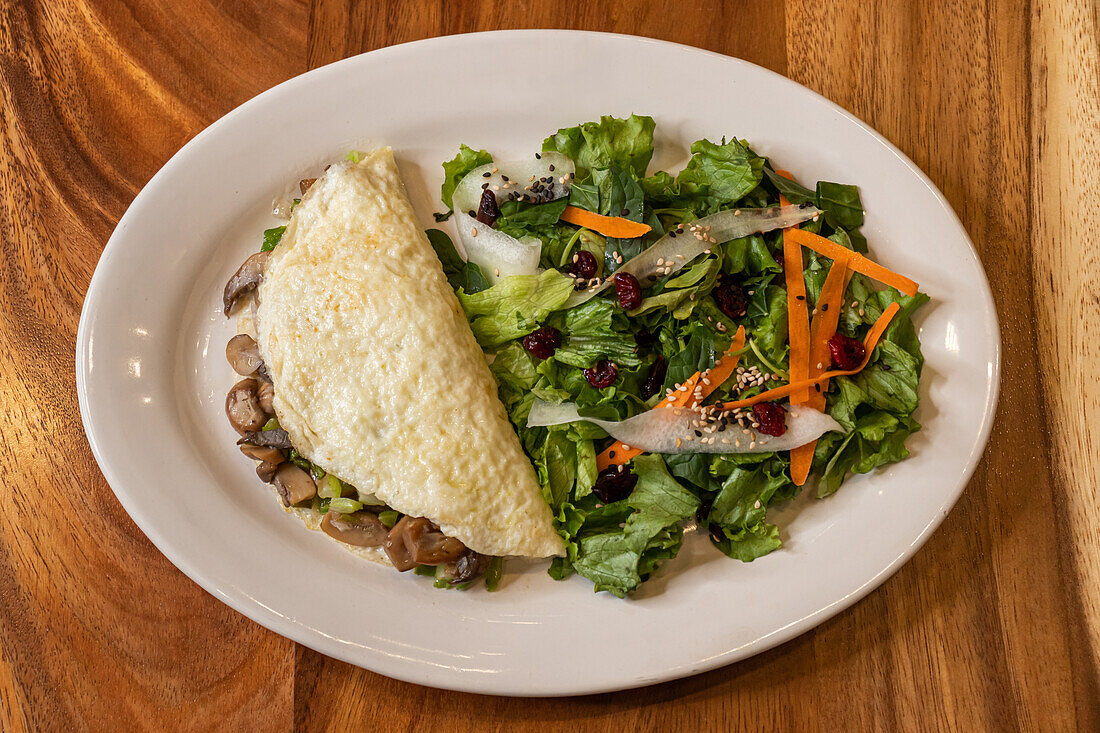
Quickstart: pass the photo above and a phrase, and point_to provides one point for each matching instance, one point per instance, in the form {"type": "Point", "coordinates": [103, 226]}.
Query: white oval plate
{"type": "Point", "coordinates": [151, 372]}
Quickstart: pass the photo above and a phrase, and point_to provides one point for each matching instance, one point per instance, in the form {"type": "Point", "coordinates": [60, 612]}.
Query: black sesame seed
{"type": "Point", "coordinates": [538, 157]}
{"type": "Point", "coordinates": [626, 212]}
{"type": "Point", "coordinates": [672, 234]}
{"type": "Point", "coordinates": [611, 454]}
{"type": "Point", "coordinates": [484, 186]}
{"type": "Point", "coordinates": [486, 174]}
{"type": "Point", "coordinates": [551, 167]}
{"type": "Point", "coordinates": [824, 307]}
{"type": "Point", "coordinates": [697, 434]}
{"type": "Point", "coordinates": [800, 297]}
{"type": "Point", "coordinates": [504, 178]}
{"type": "Point", "coordinates": [471, 212]}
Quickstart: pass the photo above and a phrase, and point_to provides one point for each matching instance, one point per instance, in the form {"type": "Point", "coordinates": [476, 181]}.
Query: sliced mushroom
{"type": "Point", "coordinates": [263, 453]}
{"type": "Point", "coordinates": [244, 280]}
{"type": "Point", "coordinates": [243, 354]}
{"type": "Point", "coordinates": [417, 541]}
{"type": "Point", "coordinates": [276, 438]}
{"type": "Point", "coordinates": [361, 529]}
{"type": "Point", "coordinates": [294, 484]}
{"type": "Point", "coordinates": [305, 183]}
{"type": "Point", "coordinates": [467, 567]}
{"type": "Point", "coordinates": [242, 406]}
{"type": "Point", "coordinates": [266, 395]}
{"type": "Point", "coordinates": [266, 471]}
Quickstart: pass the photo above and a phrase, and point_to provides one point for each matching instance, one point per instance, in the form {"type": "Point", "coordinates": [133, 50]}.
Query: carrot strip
{"type": "Point", "coordinates": [826, 316]}
{"type": "Point", "coordinates": [856, 261]}
{"type": "Point", "coordinates": [609, 226]}
{"type": "Point", "coordinates": [696, 389]}
{"type": "Point", "coordinates": [869, 344]}
{"type": "Point", "coordinates": [798, 319]}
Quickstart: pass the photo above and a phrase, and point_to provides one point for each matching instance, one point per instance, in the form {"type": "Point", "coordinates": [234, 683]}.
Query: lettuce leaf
{"type": "Point", "coordinates": [454, 169]}
{"type": "Point", "coordinates": [618, 559]}
{"type": "Point", "coordinates": [626, 143]}
{"type": "Point", "coordinates": [514, 307]}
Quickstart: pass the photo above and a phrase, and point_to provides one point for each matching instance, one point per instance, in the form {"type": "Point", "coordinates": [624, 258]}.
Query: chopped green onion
{"type": "Point", "coordinates": [389, 518]}
{"type": "Point", "coordinates": [322, 506]}
{"type": "Point", "coordinates": [271, 238]}
{"type": "Point", "coordinates": [493, 573]}
{"type": "Point", "coordinates": [354, 156]}
{"type": "Point", "coordinates": [427, 570]}
{"type": "Point", "coordinates": [344, 506]}
{"type": "Point", "coordinates": [330, 487]}
{"type": "Point", "coordinates": [272, 424]}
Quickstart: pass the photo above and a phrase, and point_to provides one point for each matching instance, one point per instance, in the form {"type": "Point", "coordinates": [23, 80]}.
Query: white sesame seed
{"type": "Point", "coordinates": [679, 442]}
{"type": "Point", "coordinates": [494, 170]}
{"type": "Point", "coordinates": [737, 212]}
{"type": "Point", "coordinates": [495, 188]}
{"type": "Point", "coordinates": [757, 504]}
{"type": "Point", "coordinates": [474, 231]}
{"type": "Point", "coordinates": [496, 271]}
{"type": "Point", "coordinates": [626, 447]}
{"type": "Point", "coordinates": [752, 292]}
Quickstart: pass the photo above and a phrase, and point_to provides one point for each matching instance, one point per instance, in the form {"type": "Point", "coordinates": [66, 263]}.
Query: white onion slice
{"type": "Point", "coordinates": [467, 195]}
{"type": "Point", "coordinates": [672, 253]}
{"type": "Point", "coordinates": [497, 254]}
{"type": "Point", "coordinates": [660, 429]}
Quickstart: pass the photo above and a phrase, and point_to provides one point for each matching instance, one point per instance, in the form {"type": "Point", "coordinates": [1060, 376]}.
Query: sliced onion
{"type": "Point", "coordinates": [672, 429]}
{"type": "Point", "coordinates": [674, 253]}
{"type": "Point", "coordinates": [521, 175]}
{"type": "Point", "coordinates": [497, 254]}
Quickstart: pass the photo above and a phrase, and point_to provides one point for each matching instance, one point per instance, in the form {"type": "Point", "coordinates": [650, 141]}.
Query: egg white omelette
{"type": "Point", "coordinates": [377, 376]}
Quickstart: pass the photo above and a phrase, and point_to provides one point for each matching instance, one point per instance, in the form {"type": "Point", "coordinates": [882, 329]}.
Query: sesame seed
{"type": "Point", "coordinates": [496, 271]}
{"type": "Point", "coordinates": [855, 303]}
{"type": "Point", "coordinates": [660, 261]}
{"type": "Point", "coordinates": [737, 212]}
{"type": "Point", "coordinates": [496, 188]}
{"type": "Point", "coordinates": [487, 174]}
{"type": "Point", "coordinates": [706, 251]}
{"type": "Point", "coordinates": [494, 170]}
{"type": "Point", "coordinates": [726, 441]}
{"type": "Point", "coordinates": [752, 444]}
{"type": "Point", "coordinates": [473, 231]}
{"type": "Point", "coordinates": [537, 156]}
{"type": "Point", "coordinates": [861, 312]}
{"type": "Point", "coordinates": [752, 292]}
{"type": "Point", "coordinates": [626, 447]}
{"type": "Point", "coordinates": [576, 257]}
{"type": "Point", "coordinates": [551, 167]}
{"type": "Point", "coordinates": [757, 504]}
{"type": "Point", "coordinates": [824, 307]}
{"type": "Point", "coordinates": [679, 442]}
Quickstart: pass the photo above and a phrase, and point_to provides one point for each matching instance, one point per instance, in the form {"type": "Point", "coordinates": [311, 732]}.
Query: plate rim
{"type": "Point", "coordinates": [278, 624]}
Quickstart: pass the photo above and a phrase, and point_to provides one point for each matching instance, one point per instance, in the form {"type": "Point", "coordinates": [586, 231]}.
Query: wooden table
{"type": "Point", "coordinates": [994, 625]}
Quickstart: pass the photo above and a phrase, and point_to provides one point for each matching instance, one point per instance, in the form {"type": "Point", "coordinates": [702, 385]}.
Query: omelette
{"type": "Point", "coordinates": [375, 373]}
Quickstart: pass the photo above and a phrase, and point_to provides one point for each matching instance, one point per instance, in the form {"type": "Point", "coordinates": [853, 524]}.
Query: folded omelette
{"type": "Point", "coordinates": [377, 376]}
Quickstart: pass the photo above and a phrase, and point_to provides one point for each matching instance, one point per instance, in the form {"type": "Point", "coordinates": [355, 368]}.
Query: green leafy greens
{"type": "Point", "coordinates": [619, 544]}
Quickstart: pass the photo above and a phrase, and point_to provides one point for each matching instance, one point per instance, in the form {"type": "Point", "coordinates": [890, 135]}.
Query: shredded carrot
{"type": "Point", "coordinates": [609, 226]}
{"type": "Point", "coordinates": [697, 387]}
{"type": "Point", "coordinates": [798, 320]}
{"type": "Point", "coordinates": [856, 261]}
{"type": "Point", "coordinates": [869, 343]}
{"type": "Point", "coordinates": [830, 302]}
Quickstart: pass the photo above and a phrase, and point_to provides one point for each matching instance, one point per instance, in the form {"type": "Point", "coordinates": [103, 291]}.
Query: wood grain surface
{"type": "Point", "coordinates": [994, 624]}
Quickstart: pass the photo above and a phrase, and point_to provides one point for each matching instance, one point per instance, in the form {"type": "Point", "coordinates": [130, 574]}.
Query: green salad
{"type": "Point", "coordinates": [563, 333]}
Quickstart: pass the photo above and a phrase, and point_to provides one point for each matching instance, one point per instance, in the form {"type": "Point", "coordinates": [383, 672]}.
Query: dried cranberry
{"type": "Point", "coordinates": [731, 298]}
{"type": "Point", "coordinates": [602, 374]}
{"type": "Point", "coordinates": [655, 379]}
{"type": "Point", "coordinates": [770, 417]}
{"type": "Point", "coordinates": [542, 343]}
{"type": "Point", "coordinates": [628, 290]}
{"type": "Point", "coordinates": [584, 265]}
{"type": "Point", "coordinates": [614, 483]}
{"type": "Point", "coordinates": [847, 352]}
{"type": "Point", "coordinates": [487, 211]}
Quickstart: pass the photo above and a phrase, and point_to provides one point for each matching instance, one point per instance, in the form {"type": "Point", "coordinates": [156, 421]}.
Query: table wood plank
{"type": "Point", "coordinates": [995, 623]}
